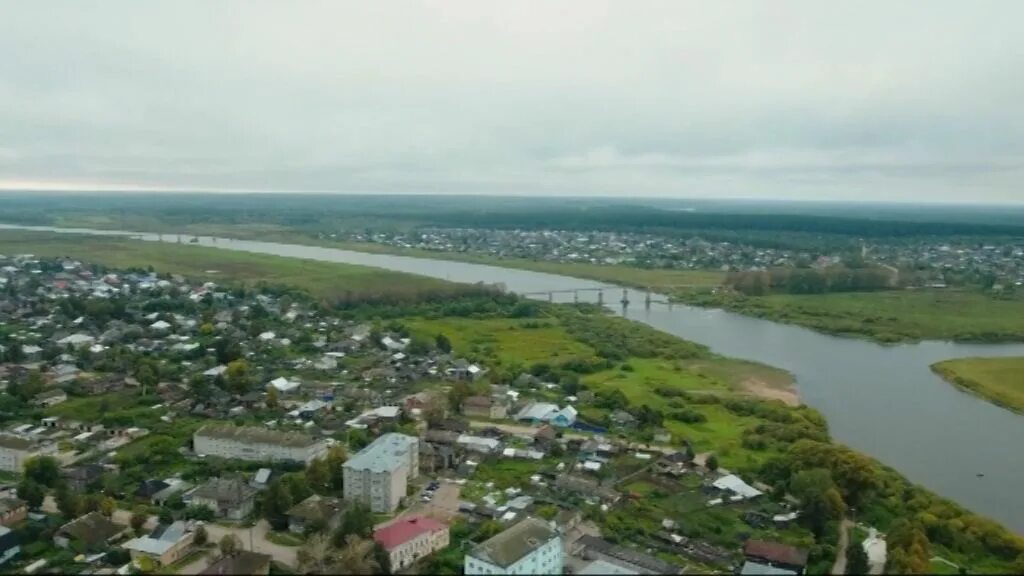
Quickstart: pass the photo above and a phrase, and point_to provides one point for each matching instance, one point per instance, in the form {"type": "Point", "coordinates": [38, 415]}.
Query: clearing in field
{"type": "Point", "coordinates": [998, 380]}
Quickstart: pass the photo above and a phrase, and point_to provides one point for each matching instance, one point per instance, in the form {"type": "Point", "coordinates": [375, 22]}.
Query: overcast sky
{"type": "Point", "coordinates": [850, 100]}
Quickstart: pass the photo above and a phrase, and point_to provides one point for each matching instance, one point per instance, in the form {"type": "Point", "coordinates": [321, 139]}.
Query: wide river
{"type": "Point", "coordinates": [881, 400]}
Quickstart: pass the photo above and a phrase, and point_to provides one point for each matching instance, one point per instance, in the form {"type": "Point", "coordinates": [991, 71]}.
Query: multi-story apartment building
{"type": "Point", "coordinates": [260, 444]}
{"type": "Point", "coordinates": [530, 546]}
{"type": "Point", "coordinates": [378, 475]}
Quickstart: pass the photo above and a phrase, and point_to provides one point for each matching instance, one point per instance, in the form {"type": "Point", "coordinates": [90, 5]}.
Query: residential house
{"type": "Point", "coordinates": [463, 370]}
{"type": "Point", "coordinates": [241, 562]}
{"type": "Point", "coordinates": [174, 487]}
{"type": "Point", "coordinates": [49, 398]}
{"type": "Point", "coordinates": [407, 540]}
{"type": "Point", "coordinates": [662, 436]}
{"type": "Point", "coordinates": [437, 457]}
{"type": "Point", "coordinates": [673, 464]}
{"type": "Point", "coordinates": [12, 511]}
{"type": "Point", "coordinates": [564, 418]}
{"type": "Point", "coordinates": [166, 544]}
{"type": "Point", "coordinates": [148, 488]}
{"type": "Point", "coordinates": [94, 531]}
{"type": "Point", "coordinates": [321, 512]}
{"type": "Point", "coordinates": [585, 487]}
{"type": "Point", "coordinates": [595, 549]}
{"type": "Point", "coordinates": [378, 474]}
{"type": "Point", "coordinates": [259, 444]}
{"type": "Point", "coordinates": [16, 449]}
{"type": "Point", "coordinates": [606, 568]}
{"type": "Point", "coordinates": [545, 435]}
{"type": "Point", "coordinates": [776, 555]}
{"type": "Point", "coordinates": [493, 407]}
{"type": "Point", "coordinates": [537, 412]}
{"type": "Point", "coordinates": [80, 477]}
{"type": "Point", "coordinates": [231, 498]}
{"type": "Point", "coordinates": [530, 546]}
{"type": "Point", "coordinates": [622, 419]}
{"type": "Point", "coordinates": [9, 545]}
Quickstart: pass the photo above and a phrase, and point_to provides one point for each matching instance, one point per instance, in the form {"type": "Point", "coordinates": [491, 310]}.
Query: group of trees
{"type": "Point", "coordinates": [828, 479]}
{"type": "Point", "coordinates": [42, 476]}
{"type": "Point", "coordinates": [809, 281]}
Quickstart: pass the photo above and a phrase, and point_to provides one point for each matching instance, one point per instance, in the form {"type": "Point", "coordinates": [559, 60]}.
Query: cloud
{"type": "Point", "coordinates": [794, 99]}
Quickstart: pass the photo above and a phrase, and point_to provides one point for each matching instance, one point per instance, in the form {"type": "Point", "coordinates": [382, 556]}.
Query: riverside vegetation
{"type": "Point", "coordinates": [998, 380]}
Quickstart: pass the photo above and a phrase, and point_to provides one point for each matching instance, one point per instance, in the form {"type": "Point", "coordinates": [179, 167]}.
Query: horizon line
{"type": "Point", "coordinates": [242, 192]}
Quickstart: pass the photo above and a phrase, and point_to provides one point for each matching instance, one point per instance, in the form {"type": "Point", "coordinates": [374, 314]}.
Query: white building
{"type": "Point", "coordinates": [14, 450]}
{"type": "Point", "coordinates": [378, 475]}
{"type": "Point", "coordinates": [528, 547]}
{"type": "Point", "coordinates": [259, 444]}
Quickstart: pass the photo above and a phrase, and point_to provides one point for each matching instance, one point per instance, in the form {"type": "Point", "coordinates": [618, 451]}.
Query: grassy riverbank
{"type": "Point", "coordinates": [324, 280]}
{"type": "Point", "coordinates": [998, 380]}
{"type": "Point", "coordinates": [890, 316]}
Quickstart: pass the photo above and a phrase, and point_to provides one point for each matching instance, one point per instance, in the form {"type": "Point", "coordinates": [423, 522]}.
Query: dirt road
{"type": "Point", "coordinates": [844, 542]}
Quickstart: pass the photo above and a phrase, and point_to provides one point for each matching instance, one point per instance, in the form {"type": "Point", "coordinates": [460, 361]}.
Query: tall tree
{"type": "Point", "coordinates": [820, 500]}
{"type": "Point", "coordinates": [318, 475]}
{"type": "Point", "coordinates": [357, 556]}
{"type": "Point", "coordinates": [138, 520]}
{"type": "Point", "coordinates": [336, 457]}
{"type": "Point", "coordinates": [908, 548]}
{"type": "Point", "coordinates": [315, 555]}
{"type": "Point", "coordinates": [276, 502]}
{"type": "Point", "coordinates": [31, 492]}
{"type": "Point", "coordinates": [229, 545]}
{"type": "Point", "coordinates": [43, 470]}
{"type": "Point", "coordinates": [356, 521]}
{"type": "Point", "coordinates": [68, 502]}
{"type": "Point", "coordinates": [856, 559]}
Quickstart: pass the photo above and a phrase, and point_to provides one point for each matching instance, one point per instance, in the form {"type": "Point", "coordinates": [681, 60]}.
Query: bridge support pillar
{"type": "Point", "coordinates": [551, 296]}
{"type": "Point", "coordinates": [576, 296]}
{"type": "Point", "coordinates": [625, 297]}
{"type": "Point", "coordinates": [600, 297]}
{"type": "Point", "coordinates": [647, 298]}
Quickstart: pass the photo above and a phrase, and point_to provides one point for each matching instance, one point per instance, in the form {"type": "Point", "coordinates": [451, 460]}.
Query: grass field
{"type": "Point", "coordinates": [505, 340]}
{"type": "Point", "coordinates": [998, 380]}
{"type": "Point", "coordinates": [325, 280]}
{"type": "Point", "coordinates": [893, 316]}
{"type": "Point", "coordinates": [508, 342]}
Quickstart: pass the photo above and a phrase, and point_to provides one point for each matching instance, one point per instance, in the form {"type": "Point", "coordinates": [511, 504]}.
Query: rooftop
{"type": "Point", "coordinates": [404, 530]}
{"type": "Point", "coordinates": [256, 435]}
{"type": "Point", "coordinates": [775, 552]}
{"type": "Point", "coordinates": [16, 442]}
{"type": "Point", "coordinates": [316, 508]}
{"type": "Point", "coordinates": [159, 541]}
{"type": "Point", "coordinates": [93, 528]}
{"type": "Point", "coordinates": [508, 547]}
{"type": "Point", "coordinates": [229, 490]}
{"type": "Point", "coordinates": [241, 562]}
{"type": "Point", "coordinates": [384, 454]}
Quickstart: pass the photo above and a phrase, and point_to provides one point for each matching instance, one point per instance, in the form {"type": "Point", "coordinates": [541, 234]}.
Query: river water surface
{"type": "Point", "coordinates": [881, 400]}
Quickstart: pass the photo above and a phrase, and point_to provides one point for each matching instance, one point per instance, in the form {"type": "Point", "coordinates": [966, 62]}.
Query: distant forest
{"type": "Point", "coordinates": [314, 214]}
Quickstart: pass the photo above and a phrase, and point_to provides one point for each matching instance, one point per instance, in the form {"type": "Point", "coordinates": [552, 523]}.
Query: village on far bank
{"type": "Point", "coordinates": [153, 424]}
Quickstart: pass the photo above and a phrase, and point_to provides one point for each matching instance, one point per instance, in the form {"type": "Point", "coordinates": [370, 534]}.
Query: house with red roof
{"type": "Point", "coordinates": [410, 539]}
